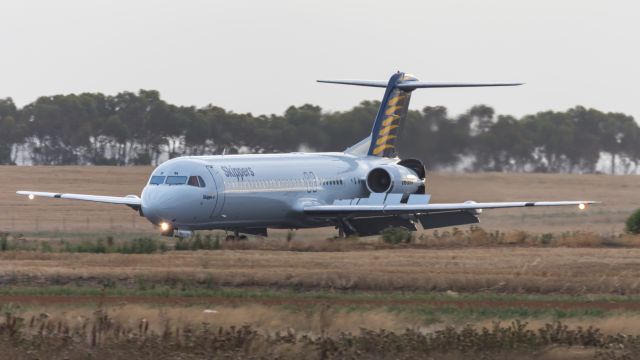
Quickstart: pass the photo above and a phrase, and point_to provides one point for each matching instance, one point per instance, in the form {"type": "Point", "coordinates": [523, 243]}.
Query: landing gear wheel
{"type": "Point", "coordinates": [236, 237]}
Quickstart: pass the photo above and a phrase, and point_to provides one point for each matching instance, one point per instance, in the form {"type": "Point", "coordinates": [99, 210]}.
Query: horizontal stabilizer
{"type": "Point", "coordinates": [371, 83]}
{"type": "Point", "coordinates": [412, 85]}
{"type": "Point", "coordinates": [394, 107]}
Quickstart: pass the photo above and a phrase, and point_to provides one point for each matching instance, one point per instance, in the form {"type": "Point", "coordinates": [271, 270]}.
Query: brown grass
{"type": "Point", "coordinates": [265, 318]}
{"type": "Point", "coordinates": [100, 335]}
{"type": "Point", "coordinates": [511, 270]}
{"type": "Point", "coordinates": [618, 193]}
{"type": "Point", "coordinates": [325, 319]}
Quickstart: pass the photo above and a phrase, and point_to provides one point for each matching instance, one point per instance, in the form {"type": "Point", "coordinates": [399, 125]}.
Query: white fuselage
{"type": "Point", "coordinates": [254, 191]}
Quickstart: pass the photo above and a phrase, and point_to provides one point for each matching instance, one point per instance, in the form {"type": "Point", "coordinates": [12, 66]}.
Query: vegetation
{"type": "Point", "coordinates": [396, 235]}
{"type": "Point", "coordinates": [4, 242]}
{"type": "Point", "coordinates": [198, 242]}
{"type": "Point", "coordinates": [404, 267]}
{"type": "Point", "coordinates": [390, 238]}
{"type": "Point", "coordinates": [102, 337]}
{"type": "Point", "coordinates": [632, 225]}
{"type": "Point", "coordinates": [137, 128]}
{"type": "Point", "coordinates": [141, 245]}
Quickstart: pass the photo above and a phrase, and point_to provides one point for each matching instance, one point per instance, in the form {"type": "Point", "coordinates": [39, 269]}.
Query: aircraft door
{"type": "Point", "coordinates": [311, 181]}
{"type": "Point", "coordinates": [217, 189]}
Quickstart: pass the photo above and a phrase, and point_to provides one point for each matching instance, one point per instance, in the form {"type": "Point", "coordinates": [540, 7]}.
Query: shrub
{"type": "Point", "coordinates": [633, 223]}
{"type": "Point", "coordinates": [140, 246]}
{"type": "Point", "coordinates": [198, 243]}
{"type": "Point", "coordinates": [45, 246]}
{"type": "Point", "coordinates": [546, 238]}
{"type": "Point", "coordinates": [396, 235]}
{"type": "Point", "coordinates": [182, 244]}
{"type": "Point", "coordinates": [135, 246]}
{"type": "Point", "coordinates": [4, 242]}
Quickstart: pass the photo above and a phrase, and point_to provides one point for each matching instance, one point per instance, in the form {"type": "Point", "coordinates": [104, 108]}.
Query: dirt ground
{"type": "Point", "coordinates": [618, 194]}
{"type": "Point", "coordinates": [293, 303]}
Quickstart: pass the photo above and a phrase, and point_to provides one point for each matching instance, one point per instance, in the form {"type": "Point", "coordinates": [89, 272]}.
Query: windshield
{"type": "Point", "coordinates": [176, 180]}
{"type": "Point", "coordinates": [156, 180]}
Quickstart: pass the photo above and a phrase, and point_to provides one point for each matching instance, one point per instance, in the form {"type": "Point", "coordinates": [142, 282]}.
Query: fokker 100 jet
{"type": "Point", "coordinates": [360, 191]}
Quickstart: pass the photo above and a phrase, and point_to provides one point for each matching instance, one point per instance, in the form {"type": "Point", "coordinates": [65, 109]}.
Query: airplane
{"type": "Point", "coordinates": [360, 191]}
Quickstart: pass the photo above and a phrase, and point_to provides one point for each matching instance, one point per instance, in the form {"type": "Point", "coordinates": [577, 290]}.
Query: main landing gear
{"type": "Point", "coordinates": [236, 236]}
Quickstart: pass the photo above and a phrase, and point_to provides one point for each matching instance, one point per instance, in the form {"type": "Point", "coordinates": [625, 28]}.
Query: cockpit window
{"type": "Point", "coordinates": [156, 180]}
{"type": "Point", "coordinates": [176, 180]}
{"type": "Point", "coordinates": [193, 181]}
{"type": "Point", "coordinates": [202, 183]}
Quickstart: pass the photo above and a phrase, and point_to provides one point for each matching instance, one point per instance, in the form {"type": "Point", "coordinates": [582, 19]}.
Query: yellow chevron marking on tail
{"type": "Point", "coordinates": [390, 119]}
{"type": "Point", "coordinates": [385, 130]}
{"type": "Point", "coordinates": [392, 109]}
{"type": "Point", "coordinates": [383, 139]}
{"type": "Point", "coordinates": [381, 148]}
{"type": "Point", "coordinates": [394, 100]}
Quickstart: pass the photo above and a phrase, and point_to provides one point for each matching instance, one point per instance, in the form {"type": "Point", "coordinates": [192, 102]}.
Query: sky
{"type": "Point", "coordinates": [263, 56]}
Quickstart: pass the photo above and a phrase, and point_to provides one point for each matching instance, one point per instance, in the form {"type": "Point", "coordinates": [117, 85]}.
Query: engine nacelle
{"type": "Point", "coordinates": [393, 178]}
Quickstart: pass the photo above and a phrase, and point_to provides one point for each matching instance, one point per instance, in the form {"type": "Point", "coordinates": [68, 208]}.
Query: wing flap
{"type": "Point", "coordinates": [367, 226]}
{"type": "Point", "coordinates": [449, 218]}
{"type": "Point", "coordinates": [130, 200]}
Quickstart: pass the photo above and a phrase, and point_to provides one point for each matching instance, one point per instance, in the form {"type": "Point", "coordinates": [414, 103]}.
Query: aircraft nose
{"type": "Point", "coordinates": [155, 203]}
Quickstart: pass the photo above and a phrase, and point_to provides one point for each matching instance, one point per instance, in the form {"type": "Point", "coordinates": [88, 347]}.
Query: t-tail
{"type": "Point", "coordinates": [395, 103]}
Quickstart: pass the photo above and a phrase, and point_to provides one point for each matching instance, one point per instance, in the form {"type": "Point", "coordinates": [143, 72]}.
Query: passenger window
{"type": "Point", "coordinates": [202, 183]}
{"type": "Point", "coordinates": [176, 180]}
{"type": "Point", "coordinates": [156, 180]}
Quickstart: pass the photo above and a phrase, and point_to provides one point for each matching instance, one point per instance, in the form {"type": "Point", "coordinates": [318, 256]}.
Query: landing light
{"type": "Point", "coordinates": [582, 206]}
{"type": "Point", "coordinates": [164, 226]}
{"type": "Point", "coordinates": [31, 196]}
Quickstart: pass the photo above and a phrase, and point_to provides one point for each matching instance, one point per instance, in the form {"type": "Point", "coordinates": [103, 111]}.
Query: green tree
{"type": "Point", "coordinates": [11, 131]}
{"type": "Point", "coordinates": [504, 146]}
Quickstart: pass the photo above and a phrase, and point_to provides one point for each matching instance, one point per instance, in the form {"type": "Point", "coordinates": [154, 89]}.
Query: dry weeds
{"type": "Point", "coordinates": [324, 319]}
{"type": "Point", "coordinates": [101, 336]}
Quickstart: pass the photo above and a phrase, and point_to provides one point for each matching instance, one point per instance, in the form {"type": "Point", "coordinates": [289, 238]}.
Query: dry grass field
{"type": "Point", "coordinates": [518, 270]}
{"type": "Point", "coordinates": [618, 194]}
{"type": "Point", "coordinates": [313, 289]}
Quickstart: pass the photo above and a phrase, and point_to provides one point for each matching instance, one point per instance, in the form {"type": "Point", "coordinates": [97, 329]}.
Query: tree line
{"type": "Point", "coordinates": [141, 129]}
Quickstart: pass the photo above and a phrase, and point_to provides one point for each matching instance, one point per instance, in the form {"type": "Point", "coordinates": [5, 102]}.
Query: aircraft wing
{"type": "Point", "coordinates": [400, 209]}
{"type": "Point", "coordinates": [129, 200]}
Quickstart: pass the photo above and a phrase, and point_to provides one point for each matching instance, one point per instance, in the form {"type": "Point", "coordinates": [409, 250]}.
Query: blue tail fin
{"type": "Point", "coordinates": [390, 118]}
{"type": "Point", "coordinates": [394, 107]}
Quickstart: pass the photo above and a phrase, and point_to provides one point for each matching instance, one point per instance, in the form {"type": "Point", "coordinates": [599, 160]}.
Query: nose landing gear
{"type": "Point", "coordinates": [167, 229]}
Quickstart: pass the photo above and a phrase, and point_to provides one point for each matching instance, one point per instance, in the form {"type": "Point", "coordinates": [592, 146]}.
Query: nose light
{"type": "Point", "coordinates": [582, 206]}
{"type": "Point", "coordinates": [164, 226]}
{"type": "Point", "coordinates": [31, 196]}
